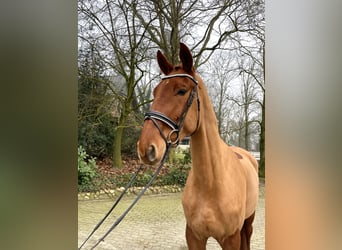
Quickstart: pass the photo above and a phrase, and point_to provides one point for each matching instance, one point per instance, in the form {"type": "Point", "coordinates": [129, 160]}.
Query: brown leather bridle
{"type": "Point", "coordinates": [175, 127]}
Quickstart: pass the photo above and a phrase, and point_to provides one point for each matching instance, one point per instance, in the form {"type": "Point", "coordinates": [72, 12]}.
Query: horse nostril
{"type": "Point", "coordinates": [151, 153]}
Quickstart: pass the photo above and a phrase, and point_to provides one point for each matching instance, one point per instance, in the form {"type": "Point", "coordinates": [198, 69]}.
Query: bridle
{"type": "Point", "coordinates": [175, 127]}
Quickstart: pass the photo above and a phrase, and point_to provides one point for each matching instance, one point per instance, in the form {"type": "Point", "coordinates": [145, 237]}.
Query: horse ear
{"type": "Point", "coordinates": [185, 57]}
{"type": "Point", "coordinates": [165, 66]}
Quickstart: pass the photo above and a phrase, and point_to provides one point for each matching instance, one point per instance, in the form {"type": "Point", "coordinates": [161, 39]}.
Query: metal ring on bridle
{"type": "Point", "coordinates": [169, 139]}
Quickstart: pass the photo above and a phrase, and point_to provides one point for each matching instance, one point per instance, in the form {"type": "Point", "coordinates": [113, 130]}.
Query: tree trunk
{"type": "Point", "coordinates": [262, 127]}
{"type": "Point", "coordinates": [117, 159]}
{"type": "Point", "coordinates": [240, 137]}
{"type": "Point", "coordinates": [262, 140]}
{"type": "Point", "coordinates": [246, 127]}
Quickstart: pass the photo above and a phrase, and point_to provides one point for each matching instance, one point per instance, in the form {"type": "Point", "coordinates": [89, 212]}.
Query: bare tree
{"type": "Point", "coordinates": [253, 49]}
{"type": "Point", "coordinates": [117, 34]}
{"type": "Point", "coordinates": [126, 33]}
{"type": "Point", "coordinates": [207, 26]}
{"type": "Point", "coordinates": [250, 95]}
{"type": "Point", "coordinates": [247, 106]}
{"type": "Point", "coordinates": [203, 25]}
{"type": "Point", "coordinates": [220, 72]}
{"type": "Point", "coordinates": [247, 45]}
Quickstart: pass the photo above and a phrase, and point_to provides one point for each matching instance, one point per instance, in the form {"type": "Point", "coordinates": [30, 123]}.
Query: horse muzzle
{"type": "Point", "coordinates": [150, 153]}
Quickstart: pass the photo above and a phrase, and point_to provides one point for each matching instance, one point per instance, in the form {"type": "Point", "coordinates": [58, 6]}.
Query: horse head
{"type": "Point", "coordinates": [173, 113]}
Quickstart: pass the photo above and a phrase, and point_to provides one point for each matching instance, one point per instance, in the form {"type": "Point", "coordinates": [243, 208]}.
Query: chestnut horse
{"type": "Point", "coordinates": [221, 192]}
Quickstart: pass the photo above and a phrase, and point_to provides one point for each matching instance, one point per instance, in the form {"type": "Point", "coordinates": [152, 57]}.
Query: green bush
{"type": "Point", "coordinates": [187, 156]}
{"type": "Point", "coordinates": [176, 176]}
{"type": "Point", "coordinates": [97, 136]}
{"type": "Point", "coordinates": [129, 140]}
{"type": "Point", "coordinates": [140, 181]}
{"type": "Point", "coordinates": [172, 157]}
{"type": "Point", "coordinates": [179, 156]}
{"type": "Point", "coordinates": [86, 171]}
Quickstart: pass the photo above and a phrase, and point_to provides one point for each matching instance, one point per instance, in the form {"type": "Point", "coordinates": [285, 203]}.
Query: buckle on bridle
{"type": "Point", "coordinates": [169, 137]}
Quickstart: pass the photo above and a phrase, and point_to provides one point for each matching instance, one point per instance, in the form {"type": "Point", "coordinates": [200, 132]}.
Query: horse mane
{"type": "Point", "coordinates": [207, 105]}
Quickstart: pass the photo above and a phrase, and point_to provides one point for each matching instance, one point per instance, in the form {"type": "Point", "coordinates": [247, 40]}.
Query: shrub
{"type": "Point", "coordinates": [86, 171]}
{"type": "Point", "coordinates": [179, 156]}
{"type": "Point", "coordinates": [176, 176]}
{"type": "Point", "coordinates": [129, 140]}
{"type": "Point", "coordinates": [187, 156]}
{"type": "Point", "coordinates": [172, 157]}
{"type": "Point", "coordinates": [140, 181]}
{"type": "Point", "coordinates": [97, 136]}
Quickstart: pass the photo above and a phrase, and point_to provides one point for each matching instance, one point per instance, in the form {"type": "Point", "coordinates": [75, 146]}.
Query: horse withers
{"type": "Point", "coordinates": [221, 192]}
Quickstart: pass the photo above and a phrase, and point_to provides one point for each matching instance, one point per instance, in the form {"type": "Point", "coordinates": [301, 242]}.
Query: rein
{"type": "Point", "coordinates": [175, 127]}
{"type": "Point", "coordinates": [114, 205]}
{"type": "Point", "coordinates": [123, 215]}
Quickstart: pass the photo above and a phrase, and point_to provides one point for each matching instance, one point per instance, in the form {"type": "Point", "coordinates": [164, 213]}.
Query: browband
{"type": "Point", "coordinates": [180, 75]}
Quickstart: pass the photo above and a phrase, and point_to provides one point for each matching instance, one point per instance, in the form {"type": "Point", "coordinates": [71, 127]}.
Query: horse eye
{"type": "Point", "coordinates": [181, 92]}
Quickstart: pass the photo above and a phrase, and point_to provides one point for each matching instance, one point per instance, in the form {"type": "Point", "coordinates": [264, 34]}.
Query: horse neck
{"type": "Point", "coordinates": [206, 144]}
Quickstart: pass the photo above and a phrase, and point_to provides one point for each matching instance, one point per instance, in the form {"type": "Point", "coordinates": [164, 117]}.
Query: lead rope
{"type": "Point", "coordinates": [114, 205]}
{"type": "Point", "coordinates": [151, 115]}
{"type": "Point", "coordinates": [118, 220]}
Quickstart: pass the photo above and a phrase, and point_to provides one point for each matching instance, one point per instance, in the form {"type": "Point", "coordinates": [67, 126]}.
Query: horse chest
{"type": "Point", "coordinates": [209, 217]}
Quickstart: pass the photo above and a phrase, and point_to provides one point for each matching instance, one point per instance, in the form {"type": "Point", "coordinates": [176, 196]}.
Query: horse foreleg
{"type": "Point", "coordinates": [246, 233]}
{"type": "Point", "coordinates": [193, 242]}
{"type": "Point", "coordinates": [232, 242]}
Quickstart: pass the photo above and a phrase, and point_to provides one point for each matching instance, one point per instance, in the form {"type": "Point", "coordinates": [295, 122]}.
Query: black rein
{"type": "Point", "coordinates": [175, 128]}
